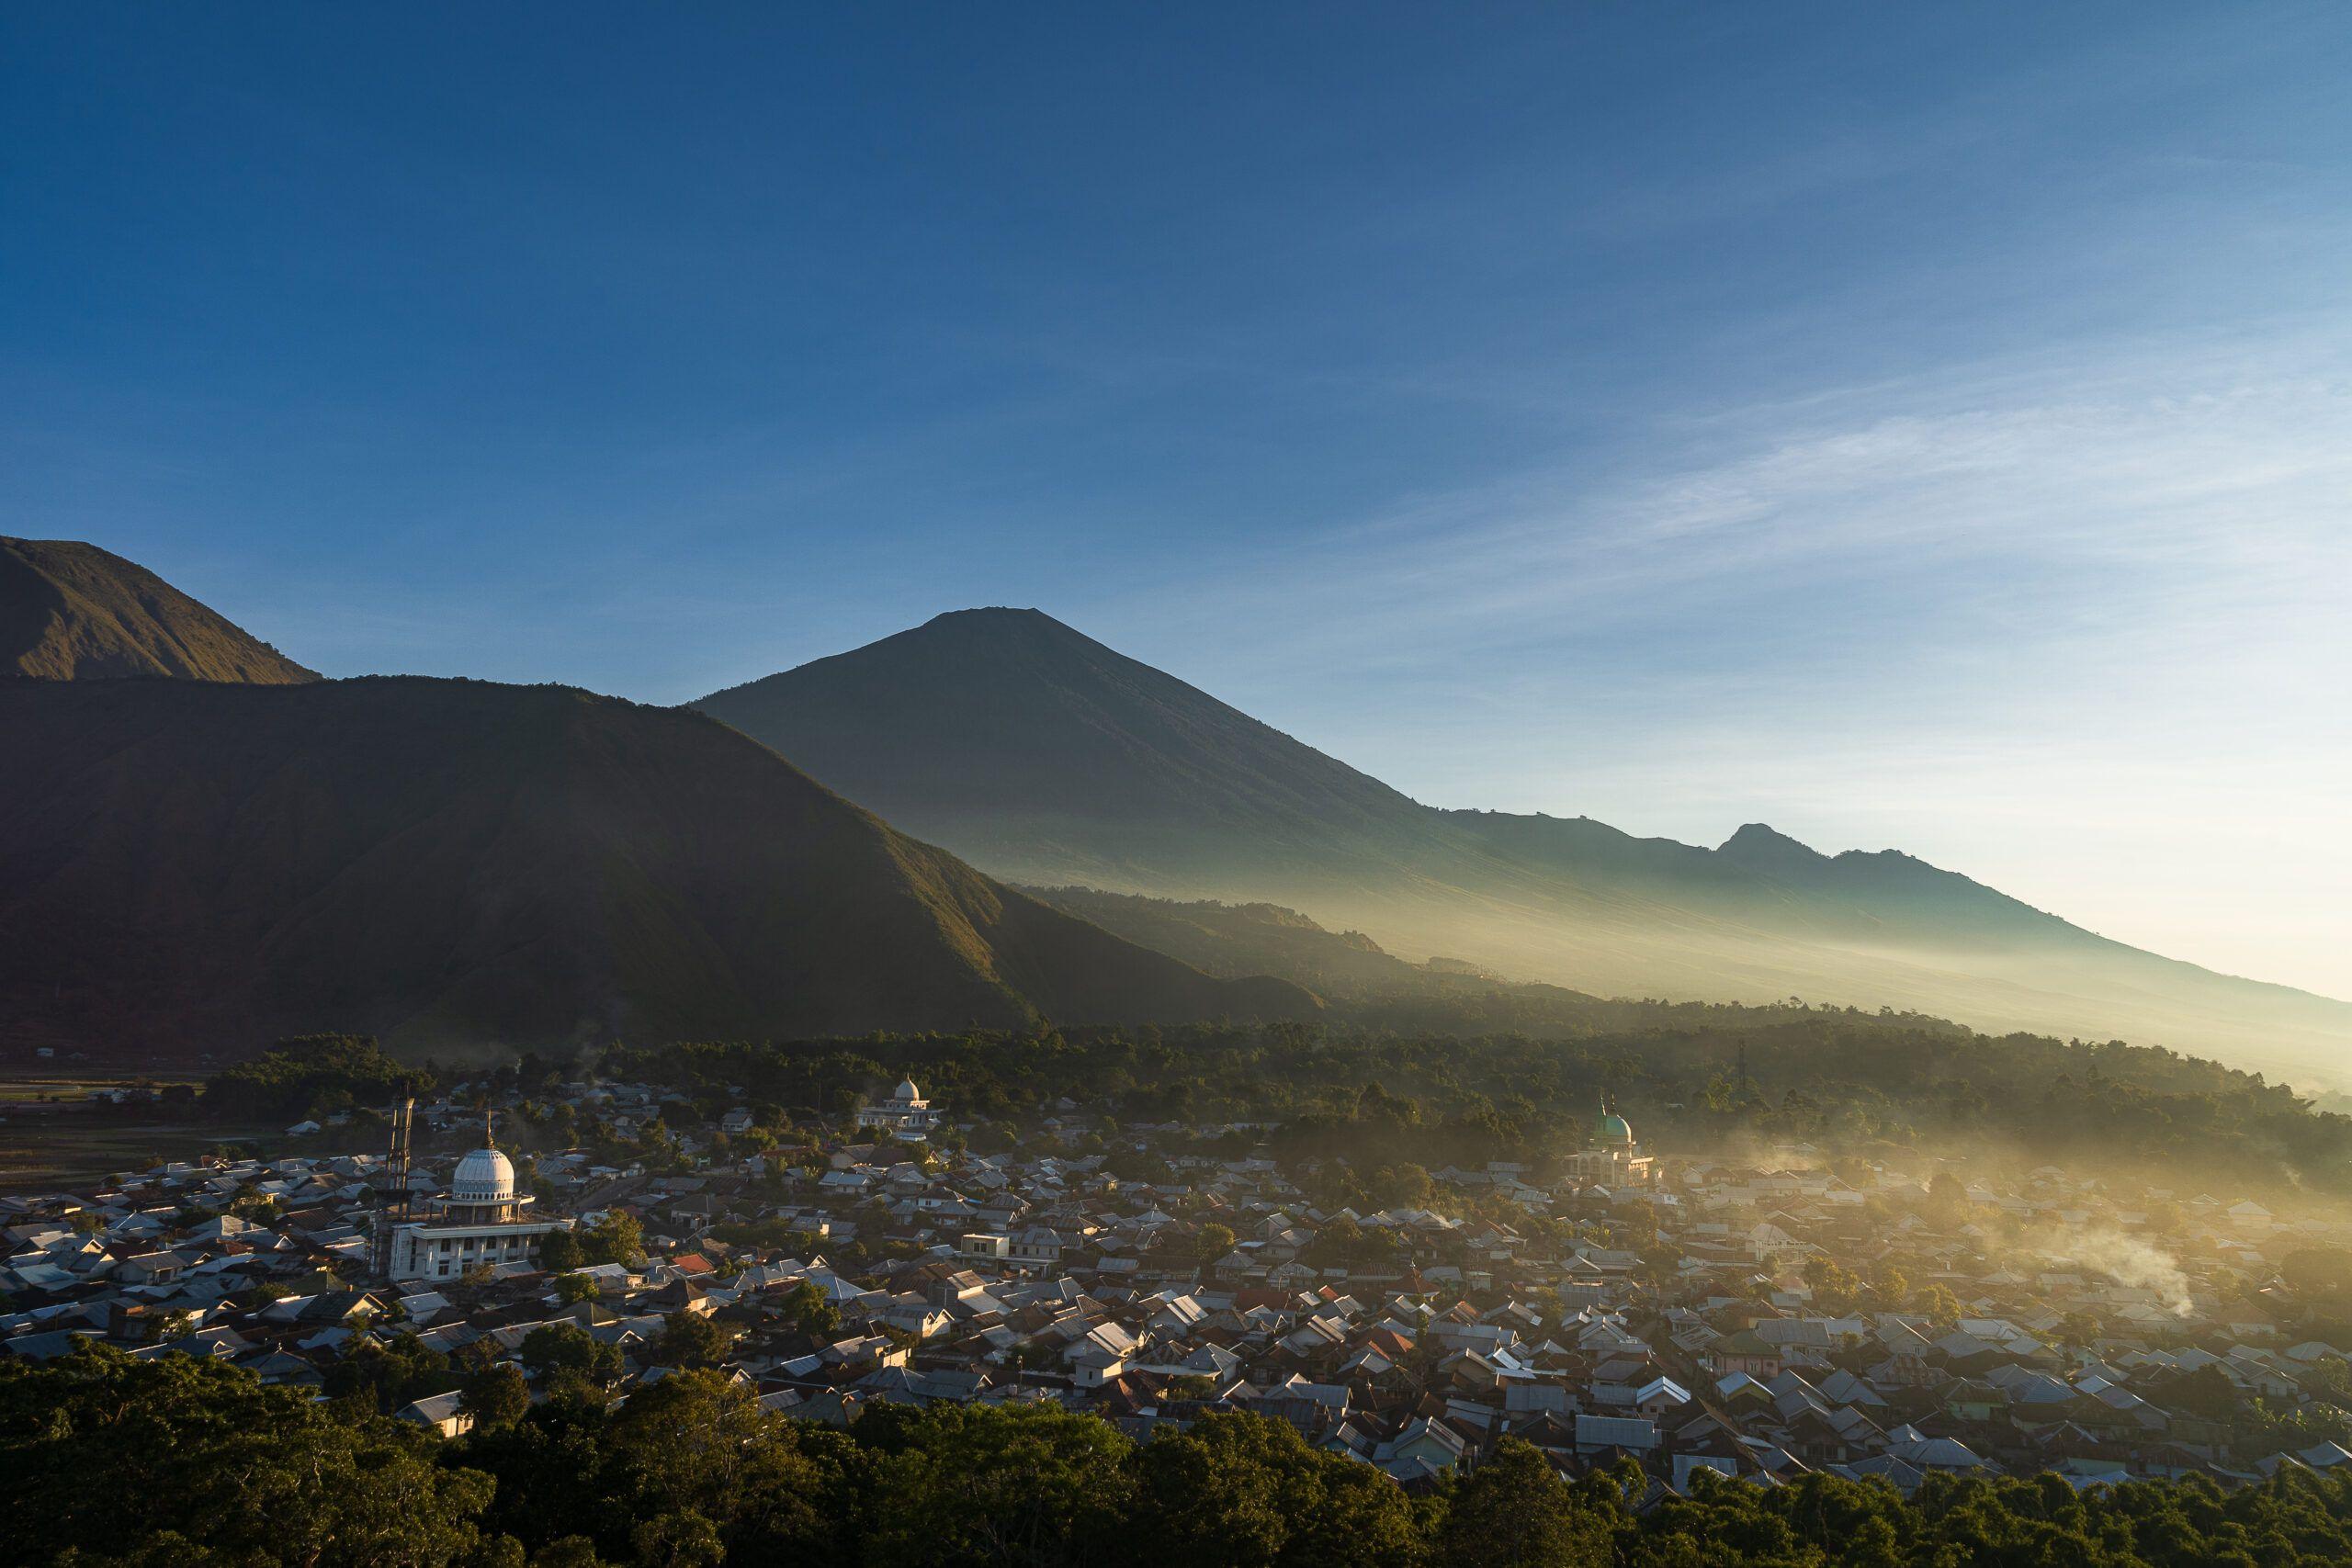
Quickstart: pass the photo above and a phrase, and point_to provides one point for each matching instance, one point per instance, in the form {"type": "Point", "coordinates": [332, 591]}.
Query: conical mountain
{"type": "Point", "coordinates": [1005, 728]}
{"type": "Point", "coordinates": [73, 611]}
{"type": "Point", "coordinates": [1046, 758]}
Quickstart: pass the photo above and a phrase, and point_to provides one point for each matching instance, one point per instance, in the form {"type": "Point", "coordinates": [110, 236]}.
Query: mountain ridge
{"type": "Point", "coordinates": [69, 611]}
{"type": "Point", "coordinates": [455, 864]}
{"type": "Point", "coordinates": [920, 725]}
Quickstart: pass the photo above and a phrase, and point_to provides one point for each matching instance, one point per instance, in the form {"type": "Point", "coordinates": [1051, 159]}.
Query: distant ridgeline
{"type": "Point", "coordinates": [1044, 757]}
{"type": "Point", "coordinates": [203, 845]}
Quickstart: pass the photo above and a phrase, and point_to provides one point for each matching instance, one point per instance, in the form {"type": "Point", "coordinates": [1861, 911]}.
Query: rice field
{"type": "Point", "coordinates": [52, 1135]}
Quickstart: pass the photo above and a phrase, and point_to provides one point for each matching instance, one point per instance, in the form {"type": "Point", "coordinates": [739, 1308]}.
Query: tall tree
{"type": "Point", "coordinates": [1514, 1511]}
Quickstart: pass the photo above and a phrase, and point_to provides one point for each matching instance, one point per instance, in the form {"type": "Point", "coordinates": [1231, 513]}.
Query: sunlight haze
{"type": "Point", "coordinates": [1941, 441]}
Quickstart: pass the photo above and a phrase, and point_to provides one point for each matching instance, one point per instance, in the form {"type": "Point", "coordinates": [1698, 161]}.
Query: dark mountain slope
{"type": "Point", "coordinates": [1050, 760]}
{"type": "Point", "coordinates": [72, 611]}
{"type": "Point", "coordinates": [452, 864]}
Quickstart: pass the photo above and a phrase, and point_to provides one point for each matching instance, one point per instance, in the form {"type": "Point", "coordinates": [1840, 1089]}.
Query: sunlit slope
{"type": "Point", "coordinates": [1048, 759]}
{"type": "Point", "coordinates": [73, 611]}
{"type": "Point", "coordinates": [452, 865]}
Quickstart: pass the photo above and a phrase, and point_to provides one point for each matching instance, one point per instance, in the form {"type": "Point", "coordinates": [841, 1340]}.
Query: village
{"type": "Point", "coordinates": [1762, 1320]}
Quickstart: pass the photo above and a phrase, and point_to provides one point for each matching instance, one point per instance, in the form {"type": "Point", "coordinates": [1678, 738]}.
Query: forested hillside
{"type": "Point", "coordinates": [454, 865]}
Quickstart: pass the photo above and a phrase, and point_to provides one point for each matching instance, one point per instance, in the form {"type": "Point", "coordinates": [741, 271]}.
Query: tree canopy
{"type": "Point", "coordinates": [178, 1461]}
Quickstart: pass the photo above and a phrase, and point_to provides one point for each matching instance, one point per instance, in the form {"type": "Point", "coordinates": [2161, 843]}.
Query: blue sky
{"type": "Point", "coordinates": [1913, 426]}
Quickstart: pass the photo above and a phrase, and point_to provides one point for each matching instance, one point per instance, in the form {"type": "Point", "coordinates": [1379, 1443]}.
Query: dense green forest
{"type": "Point", "coordinates": [1696, 1079]}
{"type": "Point", "coordinates": [177, 1462]}
{"type": "Point", "coordinates": [311, 1075]}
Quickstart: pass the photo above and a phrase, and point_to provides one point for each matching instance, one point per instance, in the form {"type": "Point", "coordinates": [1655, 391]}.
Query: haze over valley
{"type": "Point", "coordinates": [1069, 786]}
{"type": "Point", "coordinates": [206, 844]}
{"type": "Point", "coordinates": [1048, 758]}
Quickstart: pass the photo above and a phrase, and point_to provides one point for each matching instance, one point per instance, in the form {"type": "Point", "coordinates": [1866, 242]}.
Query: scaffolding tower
{"type": "Point", "coordinates": [393, 1196]}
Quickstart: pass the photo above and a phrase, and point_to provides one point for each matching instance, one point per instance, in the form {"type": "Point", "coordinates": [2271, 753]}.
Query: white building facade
{"type": "Point", "coordinates": [906, 1116]}
{"type": "Point", "coordinates": [482, 1221]}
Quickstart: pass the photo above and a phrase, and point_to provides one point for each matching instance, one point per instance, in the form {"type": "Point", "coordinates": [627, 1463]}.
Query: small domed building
{"type": "Point", "coordinates": [906, 1116]}
{"type": "Point", "coordinates": [1611, 1156]}
{"type": "Point", "coordinates": [480, 1220]}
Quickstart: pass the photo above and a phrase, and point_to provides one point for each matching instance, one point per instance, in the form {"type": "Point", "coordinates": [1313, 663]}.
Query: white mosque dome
{"type": "Point", "coordinates": [484, 1176]}
{"type": "Point", "coordinates": [906, 1090]}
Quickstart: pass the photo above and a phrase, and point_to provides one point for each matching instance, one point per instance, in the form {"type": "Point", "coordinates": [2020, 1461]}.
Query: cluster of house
{"type": "Point", "coordinates": [1495, 1306]}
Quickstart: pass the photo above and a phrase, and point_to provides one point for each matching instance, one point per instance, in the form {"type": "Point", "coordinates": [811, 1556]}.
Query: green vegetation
{"type": "Point", "coordinates": [180, 1462]}
{"type": "Point", "coordinates": [385, 1373]}
{"type": "Point", "coordinates": [566, 1348]}
{"type": "Point", "coordinates": [570, 1288]}
{"type": "Point", "coordinates": [692, 1339]}
{"type": "Point", "coordinates": [1390, 1101]}
{"type": "Point", "coordinates": [614, 1238]}
{"type": "Point", "coordinates": [312, 1075]}
{"type": "Point", "coordinates": [495, 1396]}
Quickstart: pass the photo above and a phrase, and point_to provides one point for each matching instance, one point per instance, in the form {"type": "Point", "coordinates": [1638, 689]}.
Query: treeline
{"type": "Point", "coordinates": [177, 1462]}
{"type": "Point", "coordinates": [1843, 1079]}
{"type": "Point", "coordinates": [1710, 1078]}
{"type": "Point", "coordinates": [311, 1075]}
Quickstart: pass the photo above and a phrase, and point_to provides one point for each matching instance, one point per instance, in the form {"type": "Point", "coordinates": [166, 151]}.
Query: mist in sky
{"type": "Point", "coordinates": [1913, 427]}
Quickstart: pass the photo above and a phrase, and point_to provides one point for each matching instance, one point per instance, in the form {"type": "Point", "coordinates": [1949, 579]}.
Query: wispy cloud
{"type": "Point", "coordinates": [1994, 615]}
{"type": "Point", "coordinates": [2227, 474]}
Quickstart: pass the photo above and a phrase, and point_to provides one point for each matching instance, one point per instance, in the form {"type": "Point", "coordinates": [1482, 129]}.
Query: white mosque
{"type": "Point", "coordinates": [481, 1220]}
{"type": "Point", "coordinates": [906, 1116]}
